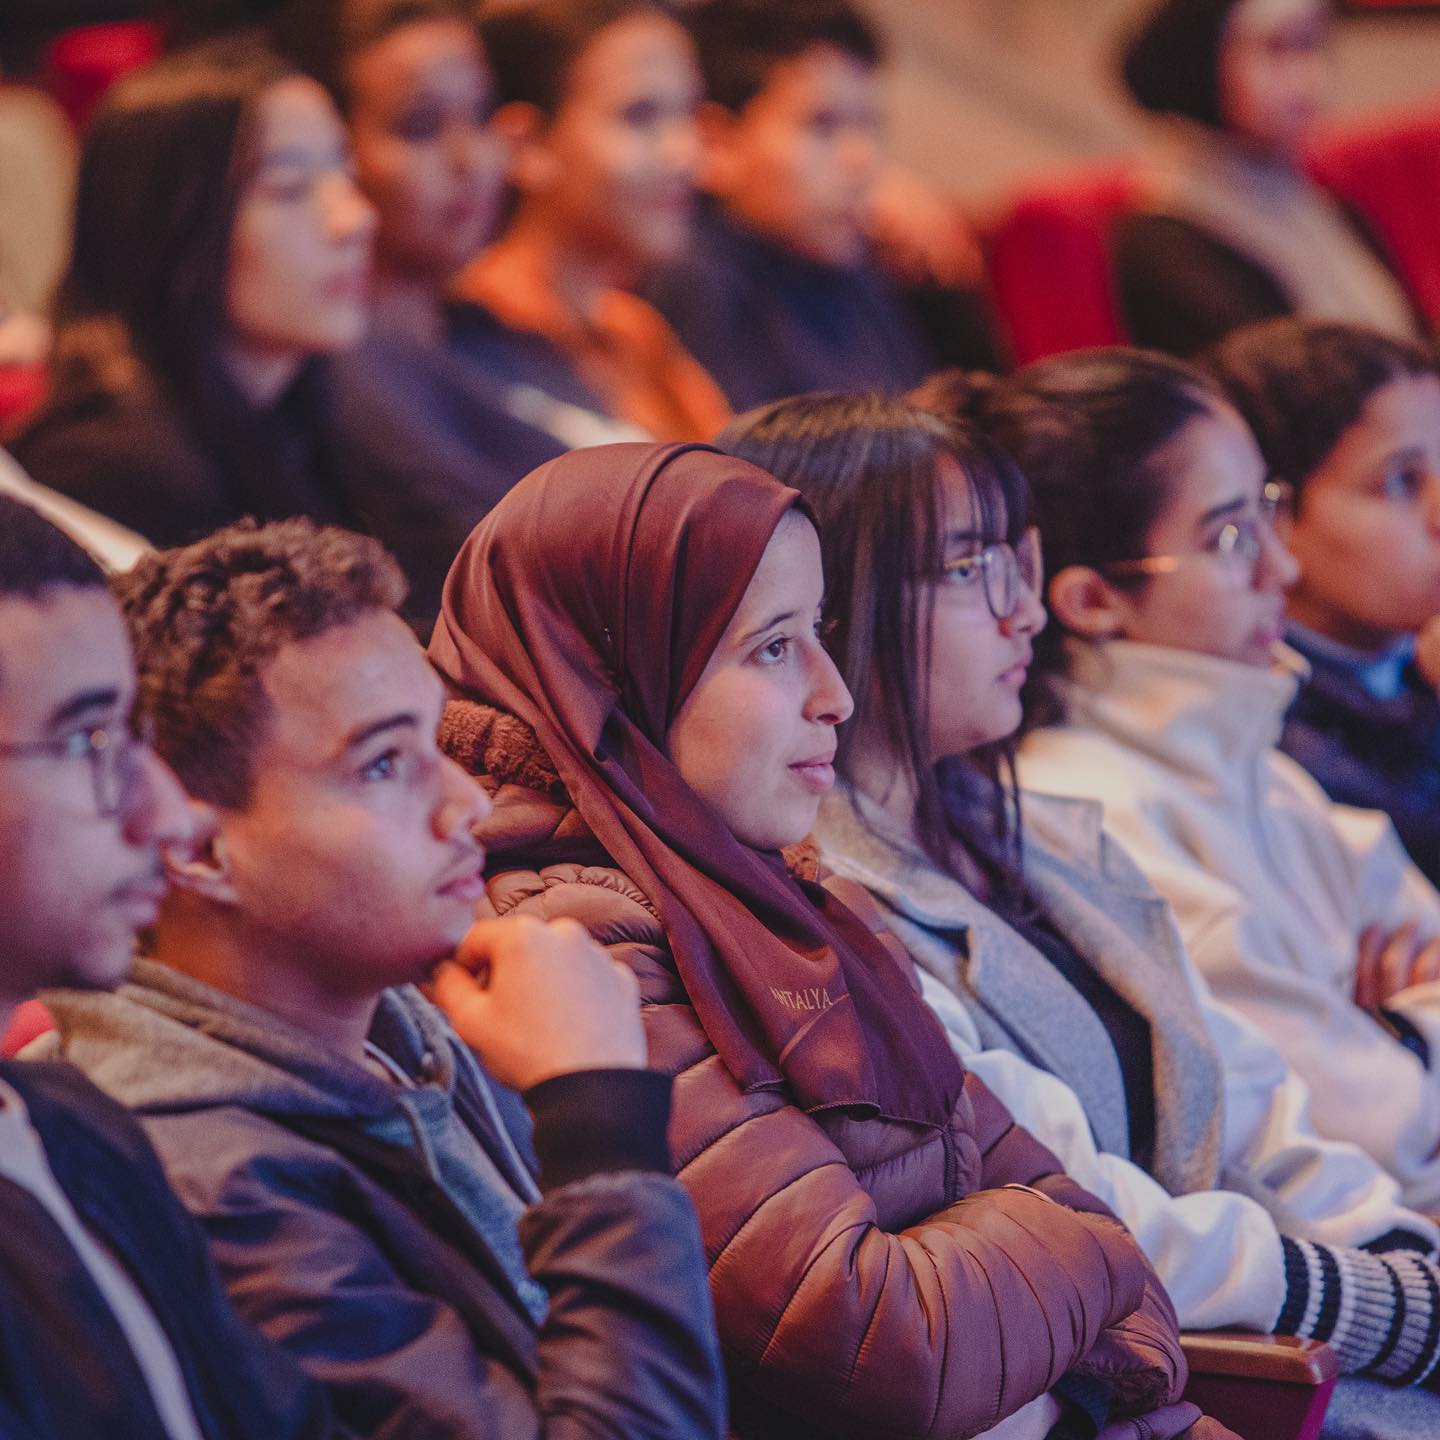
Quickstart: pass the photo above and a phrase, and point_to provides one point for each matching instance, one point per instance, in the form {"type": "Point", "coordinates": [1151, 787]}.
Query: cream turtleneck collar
{"type": "Point", "coordinates": [1192, 712]}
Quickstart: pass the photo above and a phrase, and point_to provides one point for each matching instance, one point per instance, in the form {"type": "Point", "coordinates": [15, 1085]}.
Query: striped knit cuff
{"type": "Point", "coordinates": [1380, 1313]}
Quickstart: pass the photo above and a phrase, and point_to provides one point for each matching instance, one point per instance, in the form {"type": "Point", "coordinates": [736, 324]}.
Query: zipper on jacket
{"type": "Point", "coordinates": [952, 1165]}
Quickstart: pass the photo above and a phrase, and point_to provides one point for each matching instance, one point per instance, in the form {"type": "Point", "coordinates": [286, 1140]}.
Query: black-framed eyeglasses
{"type": "Point", "coordinates": [113, 753]}
{"type": "Point", "coordinates": [1003, 570]}
{"type": "Point", "coordinates": [1239, 542]}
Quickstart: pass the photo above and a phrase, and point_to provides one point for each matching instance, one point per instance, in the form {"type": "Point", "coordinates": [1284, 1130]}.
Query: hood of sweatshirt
{"type": "Point", "coordinates": [165, 1044]}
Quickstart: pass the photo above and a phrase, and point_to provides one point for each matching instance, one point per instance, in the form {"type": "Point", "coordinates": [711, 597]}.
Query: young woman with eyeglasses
{"type": "Point", "coordinates": [1161, 689]}
{"type": "Point", "coordinates": [655, 734]}
{"type": "Point", "coordinates": [1054, 967]}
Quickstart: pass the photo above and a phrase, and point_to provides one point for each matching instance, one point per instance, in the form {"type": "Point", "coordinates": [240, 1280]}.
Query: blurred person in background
{"type": "Point", "coordinates": [222, 258]}
{"type": "Point", "coordinates": [778, 293]}
{"type": "Point", "coordinates": [602, 95]}
{"type": "Point", "coordinates": [1350, 420]}
{"type": "Point", "coordinates": [220, 248]}
{"type": "Point", "coordinates": [37, 177]}
{"type": "Point", "coordinates": [440, 437]}
{"type": "Point", "coordinates": [1229, 229]}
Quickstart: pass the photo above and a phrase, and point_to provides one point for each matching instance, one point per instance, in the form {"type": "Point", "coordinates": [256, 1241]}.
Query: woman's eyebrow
{"type": "Point", "coordinates": [1401, 454]}
{"type": "Point", "coordinates": [1218, 512]}
{"type": "Point", "coordinates": [768, 625]}
{"type": "Point", "coordinates": [298, 154]}
{"type": "Point", "coordinates": [84, 705]}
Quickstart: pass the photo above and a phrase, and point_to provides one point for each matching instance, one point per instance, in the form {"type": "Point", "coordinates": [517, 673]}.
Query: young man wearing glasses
{"type": "Point", "coordinates": [371, 1193]}
{"type": "Point", "coordinates": [112, 1321]}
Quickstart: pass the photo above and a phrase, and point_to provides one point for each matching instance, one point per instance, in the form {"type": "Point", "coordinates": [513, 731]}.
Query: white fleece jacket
{"type": "Point", "coordinates": [1216, 1245]}
{"type": "Point", "coordinates": [1271, 882]}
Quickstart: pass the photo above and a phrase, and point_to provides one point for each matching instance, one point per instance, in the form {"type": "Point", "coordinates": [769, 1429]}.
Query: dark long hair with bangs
{"type": "Point", "coordinates": [870, 468]}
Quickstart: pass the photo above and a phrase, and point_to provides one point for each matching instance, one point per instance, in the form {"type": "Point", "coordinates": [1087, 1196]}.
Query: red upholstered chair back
{"type": "Point", "coordinates": [1389, 170]}
{"type": "Point", "coordinates": [30, 1021]}
{"type": "Point", "coordinates": [22, 387]}
{"type": "Point", "coordinates": [85, 62]}
{"type": "Point", "coordinates": [1049, 264]}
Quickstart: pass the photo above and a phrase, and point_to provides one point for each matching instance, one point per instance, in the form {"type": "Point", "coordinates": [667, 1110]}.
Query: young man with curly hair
{"type": "Point", "coordinates": [371, 1189]}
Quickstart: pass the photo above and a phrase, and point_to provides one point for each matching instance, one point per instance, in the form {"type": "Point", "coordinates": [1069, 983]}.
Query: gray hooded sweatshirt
{"type": "Point", "coordinates": [165, 1044]}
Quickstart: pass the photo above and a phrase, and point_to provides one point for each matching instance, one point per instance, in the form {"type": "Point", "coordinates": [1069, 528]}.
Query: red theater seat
{"type": "Point", "coordinates": [22, 387]}
{"type": "Point", "coordinates": [84, 63]}
{"type": "Point", "coordinates": [1389, 170]}
{"type": "Point", "coordinates": [30, 1020]}
{"type": "Point", "coordinates": [1049, 268]}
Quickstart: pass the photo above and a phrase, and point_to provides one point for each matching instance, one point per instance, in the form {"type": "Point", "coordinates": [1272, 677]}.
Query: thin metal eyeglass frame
{"type": "Point", "coordinates": [1238, 538]}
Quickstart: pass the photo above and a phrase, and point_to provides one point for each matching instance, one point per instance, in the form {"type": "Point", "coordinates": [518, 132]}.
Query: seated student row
{"type": "Point", "coordinates": [293, 1088]}
{"type": "Point", "coordinates": [1360, 1347]}
{"type": "Point", "coordinates": [210, 361]}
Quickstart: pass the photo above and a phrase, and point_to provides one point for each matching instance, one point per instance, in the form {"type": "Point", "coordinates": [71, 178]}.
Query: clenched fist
{"type": "Point", "coordinates": [536, 998]}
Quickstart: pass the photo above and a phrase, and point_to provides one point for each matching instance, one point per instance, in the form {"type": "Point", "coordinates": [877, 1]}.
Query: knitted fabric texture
{"type": "Point", "coordinates": [1379, 1313]}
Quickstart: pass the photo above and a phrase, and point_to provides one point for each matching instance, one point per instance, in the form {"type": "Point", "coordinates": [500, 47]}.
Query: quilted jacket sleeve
{"type": "Point", "coordinates": [937, 1323]}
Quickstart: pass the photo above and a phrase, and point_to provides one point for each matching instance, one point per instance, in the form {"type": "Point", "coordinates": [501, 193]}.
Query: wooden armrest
{"type": "Point", "coordinates": [1264, 1387]}
{"type": "Point", "coordinates": [1281, 1358]}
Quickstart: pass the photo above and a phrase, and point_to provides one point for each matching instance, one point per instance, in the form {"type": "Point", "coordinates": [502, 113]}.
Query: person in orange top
{"type": "Point", "coordinates": [603, 96]}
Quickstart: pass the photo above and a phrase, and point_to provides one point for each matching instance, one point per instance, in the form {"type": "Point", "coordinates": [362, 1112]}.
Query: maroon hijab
{"type": "Point", "coordinates": [588, 603]}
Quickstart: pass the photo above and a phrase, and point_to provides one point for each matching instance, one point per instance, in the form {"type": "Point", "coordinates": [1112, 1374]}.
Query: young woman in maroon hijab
{"type": "Point", "coordinates": [651, 616]}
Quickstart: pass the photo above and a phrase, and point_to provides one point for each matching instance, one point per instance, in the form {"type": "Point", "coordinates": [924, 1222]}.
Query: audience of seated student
{"type": "Point", "coordinates": [113, 1320]}
{"type": "Point", "coordinates": [1076, 1004]}
{"type": "Point", "coordinates": [369, 1191]}
{"type": "Point", "coordinates": [1350, 419]}
{"type": "Point", "coordinates": [602, 95]}
{"type": "Point", "coordinates": [222, 257]}
{"type": "Point", "coordinates": [777, 293]}
{"type": "Point", "coordinates": [444, 438]}
{"type": "Point", "coordinates": [1230, 229]}
{"type": "Point", "coordinates": [681, 711]}
{"type": "Point", "coordinates": [1161, 689]}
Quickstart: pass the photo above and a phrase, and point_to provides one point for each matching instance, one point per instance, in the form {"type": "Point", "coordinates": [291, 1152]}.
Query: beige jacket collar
{"type": "Point", "coordinates": [1198, 714]}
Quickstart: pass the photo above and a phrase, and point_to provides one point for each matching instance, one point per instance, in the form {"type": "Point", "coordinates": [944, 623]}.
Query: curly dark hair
{"type": "Point", "coordinates": [206, 618]}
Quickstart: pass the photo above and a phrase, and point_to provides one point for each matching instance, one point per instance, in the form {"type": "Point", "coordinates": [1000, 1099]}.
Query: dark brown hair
{"type": "Point", "coordinates": [533, 44]}
{"type": "Point", "coordinates": [162, 170]}
{"type": "Point", "coordinates": [869, 466]}
{"type": "Point", "coordinates": [1301, 384]}
{"type": "Point", "coordinates": [322, 37]}
{"type": "Point", "coordinates": [206, 618]}
{"type": "Point", "coordinates": [741, 41]}
{"type": "Point", "coordinates": [1171, 63]}
{"type": "Point", "coordinates": [36, 555]}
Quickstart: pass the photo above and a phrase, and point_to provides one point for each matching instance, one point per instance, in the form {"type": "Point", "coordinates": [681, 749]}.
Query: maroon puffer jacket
{"type": "Point", "coordinates": [871, 1278]}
